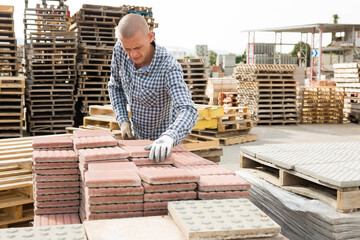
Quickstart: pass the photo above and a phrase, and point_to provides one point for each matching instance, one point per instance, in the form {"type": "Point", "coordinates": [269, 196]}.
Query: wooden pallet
{"type": "Point", "coordinates": [229, 138]}
{"type": "Point", "coordinates": [104, 121]}
{"type": "Point", "coordinates": [213, 154]}
{"type": "Point", "coordinates": [234, 119]}
{"type": "Point", "coordinates": [195, 142]}
{"type": "Point", "coordinates": [342, 199]}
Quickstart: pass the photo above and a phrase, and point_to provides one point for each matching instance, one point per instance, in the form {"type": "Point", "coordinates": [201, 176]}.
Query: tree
{"type": "Point", "coordinates": [335, 20]}
{"type": "Point", "coordinates": [212, 56]}
{"type": "Point", "coordinates": [241, 58]}
{"type": "Point", "coordinates": [296, 49]}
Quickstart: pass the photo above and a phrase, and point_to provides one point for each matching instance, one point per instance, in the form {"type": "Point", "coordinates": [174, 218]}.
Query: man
{"type": "Point", "coordinates": [150, 79]}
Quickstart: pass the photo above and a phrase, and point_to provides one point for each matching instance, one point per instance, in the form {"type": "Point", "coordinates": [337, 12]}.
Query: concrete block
{"type": "Point", "coordinates": [115, 178]}
{"type": "Point", "coordinates": [222, 183]}
{"type": "Point", "coordinates": [52, 142]}
{"type": "Point", "coordinates": [56, 219]}
{"type": "Point", "coordinates": [167, 175]}
{"type": "Point", "coordinates": [102, 153]}
{"type": "Point", "coordinates": [177, 187]}
{"type": "Point", "coordinates": [169, 196]}
{"type": "Point", "coordinates": [50, 156]}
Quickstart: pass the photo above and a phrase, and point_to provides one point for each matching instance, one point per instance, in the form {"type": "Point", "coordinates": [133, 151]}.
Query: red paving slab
{"type": "Point", "coordinates": [114, 191]}
{"type": "Point", "coordinates": [223, 195]}
{"type": "Point", "coordinates": [155, 213]}
{"type": "Point", "coordinates": [93, 142]}
{"type": "Point", "coordinates": [116, 178]}
{"type": "Point", "coordinates": [179, 148]}
{"type": "Point", "coordinates": [55, 178]}
{"type": "Point", "coordinates": [150, 206]}
{"type": "Point", "coordinates": [156, 166]}
{"type": "Point", "coordinates": [55, 165]}
{"type": "Point", "coordinates": [86, 164]}
{"type": "Point", "coordinates": [102, 153]}
{"type": "Point", "coordinates": [190, 159]}
{"type": "Point", "coordinates": [208, 170]}
{"type": "Point", "coordinates": [59, 184]}
{"type": "Point", "coordinates": [56, 219]}
{"type": "Point", "coordinates": [58, 197]}
{"type": "Point", "coordinates": [136, 151]}
{"type": "Point", "coordinates": [222, 183]}
{"type": "Point", "coordinates": [64, 171]}
{"type": "Point", "coordinates": [127, 207]}
{"type": "Point", "coordinates": [56, 210]}
{"type": "Point", "coordinates": [98, 216]}
{"type": "Point", "coordinates": [177, 187]}
{"type": "Point", "coordinates": [65, 203]}
{"type": "Point", "coordinates": [170, 196]}
{"type": "Point", "coordinates": [167, 175]}
{"type": "Point", "coordinates": [110, 166]}
{"type": "Point", "coordinates": [147, 161]}
{"type": "Point", "coordinates": [114, 199]}
{"type": "Point", "coordinates": [53, 191]}
{"type": "Point", "coordinates": [142, 143]}
{"type": "Point", "coordinates": [91, 133]}
{"type": "Point", "coordinates": [52, 142]}
{"type": "Point", "coordinates": [55, 156]}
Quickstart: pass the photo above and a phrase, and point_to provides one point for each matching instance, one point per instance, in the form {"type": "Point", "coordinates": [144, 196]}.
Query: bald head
{"type": "Point", "coordinates": [131, 24]}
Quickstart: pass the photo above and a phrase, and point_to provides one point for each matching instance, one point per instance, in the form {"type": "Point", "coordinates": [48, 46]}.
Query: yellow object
{"type": "Point", "coordinates": [206, 123]}
{"type": "Point", "coordinates": [208, 111]}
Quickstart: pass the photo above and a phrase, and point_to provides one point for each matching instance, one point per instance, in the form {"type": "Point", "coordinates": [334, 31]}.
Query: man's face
{"type": "Point", "coordinates": [138, 47]}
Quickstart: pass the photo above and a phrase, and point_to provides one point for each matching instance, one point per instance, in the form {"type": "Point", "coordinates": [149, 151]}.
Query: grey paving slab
{"type": "Point", "coordinates": [59, 232]}
{"type": "Point", "coordinates": [222, 219]}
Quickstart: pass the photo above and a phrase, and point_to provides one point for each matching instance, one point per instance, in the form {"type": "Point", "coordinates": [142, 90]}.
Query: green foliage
{"type": "Point", "coordinates": [241, 58]}
{"type": "Point", "coordinates": [212, 56]}
{"type": "Point", "coordinates": [297, 49]}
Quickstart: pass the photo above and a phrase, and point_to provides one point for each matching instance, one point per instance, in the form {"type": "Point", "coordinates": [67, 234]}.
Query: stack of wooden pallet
{"type": "Point", "coordinates": [194, 70]}
{"type": "Point", "coordinates": [143, 11]}
{"type": "Point", "coordinates": [231, 127]}
{"type": "Point", "coordinates": [95, 29]}
{"type": "Point", "coordinates": [217, 85]}
{"type": "Point", "coordinates": [11, 85]}
{"type": "Point", "coordinates": [322, 104]}
{"type": "Point", "coordinates": [269, 91]}
{"type": "Point", "coordinates": [347, 75]}
{"type": "Point", "coordinates": [228, 99]}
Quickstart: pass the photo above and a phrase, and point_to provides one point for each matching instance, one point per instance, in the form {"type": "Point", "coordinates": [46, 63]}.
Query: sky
{"type": "Point", "coordinates": [220, 24]}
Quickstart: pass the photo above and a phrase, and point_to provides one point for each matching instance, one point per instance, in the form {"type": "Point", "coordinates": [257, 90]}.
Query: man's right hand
{"type": "Point", "coordinates": [125, 130]}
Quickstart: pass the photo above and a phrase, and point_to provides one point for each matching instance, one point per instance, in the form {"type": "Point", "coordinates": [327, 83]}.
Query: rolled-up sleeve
{"type": "Point", "coordinates": [184, 106]}
{"type": "Point", "coordinates": [116, 92]}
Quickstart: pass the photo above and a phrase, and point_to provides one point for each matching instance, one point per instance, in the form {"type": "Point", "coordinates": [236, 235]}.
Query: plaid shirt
{"type": "Point", "coordinates": [159, 99]}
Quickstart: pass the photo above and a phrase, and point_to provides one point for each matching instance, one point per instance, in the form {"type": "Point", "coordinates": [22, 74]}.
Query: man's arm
{"type": "Point", "coordinates": [116, 92]}
{"type": "Point", "coordinates": [183, 105]}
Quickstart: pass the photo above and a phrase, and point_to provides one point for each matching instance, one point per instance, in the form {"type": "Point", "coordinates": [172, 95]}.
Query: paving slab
{"type": "Point", "coordinates": [222, 219]}
{"type": "Point", "coordinates": [115, 199]}
{"type": "Point", "coordinates": [167, 175]}
{"type": "Point", "coordinates": [155, 213]}
{"type": "Point", "coordinates": [114, 191]}
{"type": "Point", "coordinates": [150, 206]}
{"type": "Point", "coordinates": [57, 184]}
{"type": "Point", "coordinates": [179, 148]}
{"type": "Point", "coordinates": [55, 178]}
{"type": "Point", "coordinates": [55, 156]}
{"type": "Point", "coordinates": [55, 165]}
{"type": "Point", "coordinates": [189, 158]}
{"type": "Point", "coordinates": [91, 133]}
{"type": "Point", "coordinates": [136, 151]}
{"type": "Point", "coordinates": [147, 161]}
{"type": "Point", "coordinates": [223, 195]}
{"type": "Point", "coordinates": [85, 164]}
{"type": "Point", "coordinates": [63, 171]}
{"type": "Point", "coordinates": [116, 178]}
{"type": "Point", "coordinates": [125, 207]}
{"type": "Point", "coordinates": [222, 183]}
{"type": "Point", "coordinates": [152, 228]}
{"type": "Point", "coordinates": [73, 231]}
{"type": "Point", "coordinates": [169, 196]}
{"type": "Point", "coordinates": [65, 203]}
{"type": "Point", "coordinates": [52, 142]}
{"type": "Point", "coordinates": [177, 187]}
{"type": "Point", "coordinates": [94, 142]}
{"type": "Point", "coordinates": [110, 166]}
{"type": "Point", "coordinates": [56, 210]}
{"type": "Point", "coordinates": [142, 142]}
{"type": "Point", "coordinates": [56, 219]}
{"type": "Point", "coordinates": [54, 191]}
{"type": "Point", "coordinates": [58, 197]}
{"type": "Point", "coordinates": [102, 153]}
{"type": "Point", "coordinates": [111, 215]}
{"type": "Point", "coordinates": [204, 170]}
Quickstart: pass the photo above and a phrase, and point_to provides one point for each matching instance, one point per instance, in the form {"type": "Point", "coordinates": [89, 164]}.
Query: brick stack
{"type": "Point", "coordinates": [269, 91]}
{"type": "Point", "coordinates": [11, 85]}
{"type": "Point", "coordinates": [165, 184]}
{"type": "Point", "coordinates": [194, 70]}
{"type": "Point", "coordinates": [95, 29]}
{"type": "Point", "coordinates": [347, 75]}
{"type": "Point", "coordinates": [56, 176]}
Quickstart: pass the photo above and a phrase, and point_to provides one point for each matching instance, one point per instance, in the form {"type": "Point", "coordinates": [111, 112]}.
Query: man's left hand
{"type": "Point", "coordinates": [161, 148]}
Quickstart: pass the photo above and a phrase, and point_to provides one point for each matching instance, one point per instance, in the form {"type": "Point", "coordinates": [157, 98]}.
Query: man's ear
{"type": "Point", "coordinates": [151, 36]}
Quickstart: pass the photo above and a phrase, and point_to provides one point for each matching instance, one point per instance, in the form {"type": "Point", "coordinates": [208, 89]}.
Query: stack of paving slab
{"type": "Point", "coordinates": [347, 75]}
{"type": "Point", "coordinates": [55, 176]}
{"type": "Point", "coordinates": [56, 219]}
{"type": "Point", "coordinates": [217, 85]}
{"type": "Point", "coordinates": [270, 91]}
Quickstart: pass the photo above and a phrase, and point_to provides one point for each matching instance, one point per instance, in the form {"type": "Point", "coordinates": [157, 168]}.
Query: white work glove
{"type": "Point", "coordinates": [161, 148]}
{"type": "Point", "coordinates": [125, 130]}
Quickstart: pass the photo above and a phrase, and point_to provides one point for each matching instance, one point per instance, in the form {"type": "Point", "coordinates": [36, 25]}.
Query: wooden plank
{"type": "Point", "coordinates": [197, 142]}
{"type": "Point", "coordinates": [348, 199]}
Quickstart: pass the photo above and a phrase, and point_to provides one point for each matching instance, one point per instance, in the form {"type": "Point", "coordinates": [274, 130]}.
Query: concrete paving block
{"type": "Point", "coordinates": [142, 142]}
{"type": "Point", "coordinates": [147, 161]}
{"type": "Point", "coordinates": [151, 213]}
{"type": "Point", "coordinates": [167, 175]}
{"type": "Point", "coordinates": [73, 232]}
{"type": "Point", "coordinates": [52, 142]}
{"type": "Point", "coordinates": [203, 170]}
{"type": "Point", "coordinates": [223, 195]}
{"type": "Point", "coordinates": [115, 199]}
{"type": "Point", "coordinates": [102, 153]}
{"type": "Point", "coordinates": [177, 187]}
{"type": "Point", "coordinates": [91, 133]}
{"type": "Point", "coordinates": [57, 184]}
{"type": "Point", "coordinates": [111, 215]}
{"type": "Point", "coordinates": [65, 203]}
{"type": "Point", "coordinates": [94, 142]}
{"type": "Point", "coordinates": [222, 183]}
{"type": "Point", "coordinates": [114, 191]}
{"type": "Point", "coordinates": [57, 197]}
{"type": "Point", "coordinates": [56, 210]}
{"type": "Point", "coordinates": [56, 219]}
{"type": "Point", "coordinates": [155, 166]}
{"type": "Point", "coordinates": [55, 165]}
{"type": "Point", "coordinates": [55, 191]}
{"type": "Point", "coordinates": [151, 206]}
{"type": "Point", "coordinates": [179, 148]}
{"type": "Point", "coordinates": [115, 178]}
{"type": "Point", "coordinates": [50, 156]}
{"type": "Point", "coordinates": [85, 164]}
{"type": "Point", "coordinates": [136, 151]}
{"type": "Point", "coordinates": [169, 196]}
{"type": "Point", "coordinates": [190, 159]}
{"type": "Point", "coordinates": [56, 178]}
{"type": "Point", "coordinates": [222, 219]}
{"type": "Point", "coordinates": [110, 166]}
{"type": "Point", "coordinates": [51, 172]}
{"type": "Point", "coordinates": [124, 207]}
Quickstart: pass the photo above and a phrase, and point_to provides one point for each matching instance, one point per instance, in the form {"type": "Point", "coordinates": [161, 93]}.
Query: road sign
{"type": "Point", "coordinates": [314, 53]}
